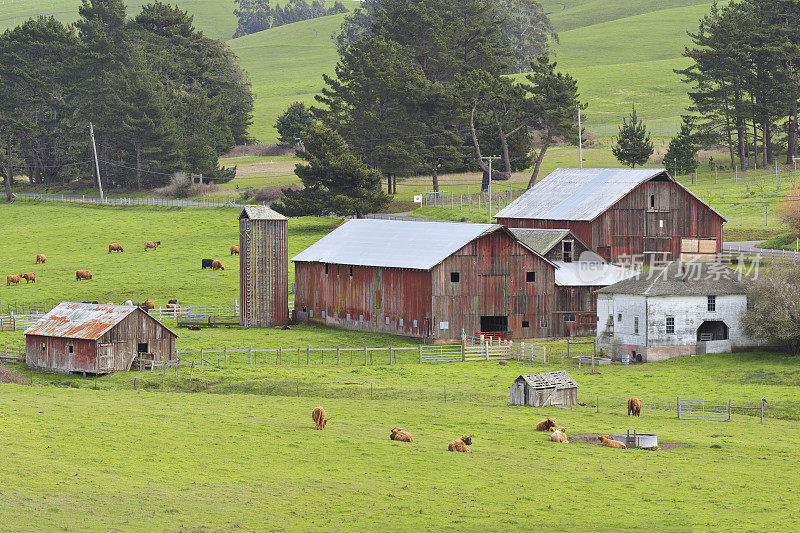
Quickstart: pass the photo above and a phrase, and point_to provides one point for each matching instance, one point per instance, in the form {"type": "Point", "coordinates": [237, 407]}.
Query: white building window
{"type": "Point", "coordinates": [670, 324]}
{"type": "Point", "coordinates": [636, 325]}
{"type": "Point", "coordinates": [619, 317]}
{"type": "Point", "coordinates": [712, 303]}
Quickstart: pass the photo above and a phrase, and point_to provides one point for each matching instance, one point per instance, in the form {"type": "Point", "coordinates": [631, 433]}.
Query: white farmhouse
{"type": "Point", "coordinates": [679, 309]}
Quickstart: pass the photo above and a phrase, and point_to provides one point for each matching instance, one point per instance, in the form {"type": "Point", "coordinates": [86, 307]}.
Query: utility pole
{"type": "Point", "coordinates": [96, 163]}
{"type": "Point", "coordinates": [580, 135]}
{"type": "Point", "coordinates": [490, 158]}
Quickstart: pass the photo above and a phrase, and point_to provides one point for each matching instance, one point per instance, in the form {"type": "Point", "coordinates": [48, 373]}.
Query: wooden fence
{"type": "Point", "coordinates": [718, 410]}
{"type": "Point", "coordinates": [18, 322]}
{"type": "Point", "coordinates": [10, 354]}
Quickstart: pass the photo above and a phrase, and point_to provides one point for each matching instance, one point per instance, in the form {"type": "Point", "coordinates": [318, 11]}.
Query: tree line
{"type": "Point", "coordinates": [162, 96]}
{"type": "Point", "coordinates": [422, 86]}
{"type": "Point", "coordinates": [745, 78]}
{"type": "Point", "coordinates": [257, 15]}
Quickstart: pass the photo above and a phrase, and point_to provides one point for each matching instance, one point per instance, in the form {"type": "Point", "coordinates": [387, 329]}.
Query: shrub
{"type": "Point", "coordinates": [789, 210]}
{"type": "Point", "coordinates": [181, 186]}
{"type": "Point", "coordinates": [9, 375]}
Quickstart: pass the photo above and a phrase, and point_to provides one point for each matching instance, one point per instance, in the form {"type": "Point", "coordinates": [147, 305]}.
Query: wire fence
{"type": "Point", "coordinates": [167, 202]}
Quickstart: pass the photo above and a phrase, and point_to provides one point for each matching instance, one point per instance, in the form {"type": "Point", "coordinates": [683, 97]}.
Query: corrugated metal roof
{"type": "Point", "coordinates": [580, 194]}
{"type": "Point", "coordinates": [683, 279]}
{"type": "Point", "coordinates": [82, 321]}
{"type": "Point", "coordinates": [393, 243]}
{"type": "Point", "coordinates": [590, 274]}
{"type": "Point", "coordinates": [558, 380]}
{"type": "Point", "coordinates": [260, 212]}
{"type": "Point", "coordinates": [539, 240]}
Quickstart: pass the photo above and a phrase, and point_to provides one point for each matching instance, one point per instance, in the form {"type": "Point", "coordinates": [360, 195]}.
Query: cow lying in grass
{"type": "Point", "coordinates": [400, 435]}
{"type": "Point", "coordinates": [461, 444]}
{"type": "Point", "coordinates": [560, 435]}
{"type": "Point", "coordinates": [548, 424]}
{"type": "Point", "coordinates": [609, 443]}
{"type": "Point", "coordinates": [318, 415]}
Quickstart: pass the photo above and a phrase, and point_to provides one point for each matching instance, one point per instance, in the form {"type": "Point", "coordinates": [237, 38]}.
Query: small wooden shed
{"type": "Point", "coordinates": [544, 388]}
{"type": "Point", "coordinates": [78, 337]}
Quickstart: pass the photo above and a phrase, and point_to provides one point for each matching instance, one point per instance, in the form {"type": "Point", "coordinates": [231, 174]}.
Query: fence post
{"type": "Point", "coordinates": [298, 356]}
{"type": "Point", "coordinates": [678, 406]}
{"type": "Point", "coordinates": [762, 411]}
{"type": "Point", "coordinates": [201, 356]}
{"type": "Point", "coordinates": [337, 355]}
{"type": "Point", "coordinates": [729, 402]}
{"type": "Point", "coordinates": [486, 345]}
{"type": "Point", "coordinates": [365, 356]}
{"type": "Point", "coordinates": [280, 355]}
{"type": "Point", "coordinates": [390, 355]}
{"type": "Point", "coordinates": [562, 361]}
{"type": "Point", "coordinates": [226, 355]}
{"type": "Point", "coordinates": [251, 354]}
{"type": "Point", "coordinates": [308, 354]}
{"type": "Point", "coordinates": [420, 354]}
{"type": "Point", "coordinates": [463, 349]}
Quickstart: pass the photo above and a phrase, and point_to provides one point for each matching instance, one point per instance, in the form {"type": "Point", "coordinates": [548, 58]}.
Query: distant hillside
{"type": "Point", "coordinates": [214, 17]}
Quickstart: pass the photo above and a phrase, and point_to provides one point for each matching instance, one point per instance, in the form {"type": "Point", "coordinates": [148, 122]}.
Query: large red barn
{"type": "Point", "coordinates": [622, 214]}
{"type": "Point", "coordinates": [434, 280]}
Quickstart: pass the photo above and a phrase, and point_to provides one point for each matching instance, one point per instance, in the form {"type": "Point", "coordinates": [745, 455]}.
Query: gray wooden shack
{"type": "Point", "coordinates": [544, 388]}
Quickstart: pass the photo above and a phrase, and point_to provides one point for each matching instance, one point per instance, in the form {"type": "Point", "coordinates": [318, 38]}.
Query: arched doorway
{"type": "Point", "coordinates": [712, 330]}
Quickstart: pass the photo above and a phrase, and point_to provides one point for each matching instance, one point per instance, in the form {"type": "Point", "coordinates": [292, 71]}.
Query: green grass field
{"type": "Point", "coordinates": [77, 458]}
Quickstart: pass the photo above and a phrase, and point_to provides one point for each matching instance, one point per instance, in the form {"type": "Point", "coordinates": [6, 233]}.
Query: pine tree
{"type": "Point", "coordinates": [633, 142]}
{"type": "Point", "coordinates": [292, 123]}
{"type": "Point", "coordinates": [680, 156]}
{"type": "Point", "coordinates": [334, 180]}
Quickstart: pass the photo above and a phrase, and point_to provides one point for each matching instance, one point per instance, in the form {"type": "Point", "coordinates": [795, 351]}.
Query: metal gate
{"type": "Point", "coordinates": [716, 410]}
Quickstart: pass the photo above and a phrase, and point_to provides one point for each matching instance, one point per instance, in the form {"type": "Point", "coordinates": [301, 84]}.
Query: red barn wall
{"type": "Point", "coordinates": [369, 296]}
{"type": "Point", "coordinates": [492, 282]}
{"type": "Point", "coordinates": [631, 226]}
{"type": "Point", "coordinates": [56, 356]}
{"type": "Point", "coordinates": [579, 302]}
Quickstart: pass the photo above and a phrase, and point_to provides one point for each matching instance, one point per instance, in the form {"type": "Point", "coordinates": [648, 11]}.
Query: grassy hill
{"type": "Point", "coordinates": [214, 17]}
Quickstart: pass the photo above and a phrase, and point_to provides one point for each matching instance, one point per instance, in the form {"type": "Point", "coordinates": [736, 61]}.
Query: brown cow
{"type": "Point", "coordinates": [29, 277]}
{"type": "Point", "coordinates": [147, 305]}
{"type": "Point", "coordinates": [151, 244]}
{"type": "Point", "coordinates": [115, 247]}
{"type": "Point", "coordinates": [548, 424]}
{"type": "Point", "coordinates": [82, 274]}
{"type": "Point", "coordinates": [216, 265]}
{"type": "Point", "coordinates": [40, 258]}
{"type": "Point", "coordinates": [12, 279]}
{"type": "Point", "coordinates": [634, 407]}
{"type": "Point", "coordinates": [461, 444]}
{"type": "Point", "coordinates": [607, 442]}
{"type": "Point", "coordinates": [560, 435]}
{"type": "Point", "coordinates": [401, 435]}
{"type": "Point", "coordinates": [318, 415]}
{"type": "Point", "coordinates": [234, 250]}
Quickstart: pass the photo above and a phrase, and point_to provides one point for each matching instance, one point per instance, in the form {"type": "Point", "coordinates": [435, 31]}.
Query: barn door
{"type": "Point", "coordinates": [105, 358]}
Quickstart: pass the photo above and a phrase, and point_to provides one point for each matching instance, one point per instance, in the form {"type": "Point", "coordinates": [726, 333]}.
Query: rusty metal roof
{"type": "Point", "coordinates": [73, 320]}
{"type": "Point", "coordinates": [260, 212]}
{"type": "Point", "coordinates": [582, 194]}
{"type": "Point", "coordinates": [394, 243]}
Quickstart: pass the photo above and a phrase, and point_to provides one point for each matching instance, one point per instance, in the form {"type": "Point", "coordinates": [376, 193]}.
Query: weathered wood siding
{"type": "Point", "coordinates": [112, 352]}
{"type": "Point", "coordinates": [581, 303]}
{"type": "Point", "coordinates": [263, 272]}
{"type": "Point", "coordinates": [122, 341]}
{"type": "Point", "coordinates": [492, 282]}
{"type": "Point", "coordinates": [556, 253]}
{"type": "Point", "coordinates": [632, 227]}
{"type": "Point", "coordinates": [52, 353]}
{"type": "Point", "coordinates": [367, 300]}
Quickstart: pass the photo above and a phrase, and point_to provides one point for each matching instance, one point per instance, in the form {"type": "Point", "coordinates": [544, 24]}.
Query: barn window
{"type": "Point", "coordinates": [530, 277]}
{"type": "Point", "coordinates": [326, 269]}
{"type": "Point", "coordinates": [323, 313]}
{"type": "Point", "coordinates": [348, 316]}
{"type": "Point", "coordinates": [652, 200]}
{"type": "Point", "coordinates": [712, 303]}
{"type": "Point", "coordinates": [311, 313]}
{"type": "Point", "coordinates": [619, 317]}
{"type": "Point", "coordinates": [525, 324]}
{"type": "Point", "coordinates": [670, 324]}
{"type": "Point", "coordinates": [70, 348]}
{"type": "Point", "coordinates": [569, 317]}
{"type": "Point", "coordinates": [636, 325]}
{"type": "Point", "coordinates": [415, 323]}
{"type": "Point", "coordinates": [336, 315]}
{"type": "Point", "coordinates": [454, 277]}
{"type": "Point", "coordinates": [305, 309]}
{"type": "Point", "coordinates": [351, 271]}
{"type": "Point", "coordinates": [387, 320]}
{"type": "Point", "coordinates": [337, 270]}
{"type": "Point", "coordinates": [44, 346]}
{"type": "Point", "coordinates": [361, 318]}
{"type": "Point", "coordinates": [567, 250]}
{"type": "Point", "coordinates": [400, 322]}
{"type": "Point", "coordinates": [543, 324]}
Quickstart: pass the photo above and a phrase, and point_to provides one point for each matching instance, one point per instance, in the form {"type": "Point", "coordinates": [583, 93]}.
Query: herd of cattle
{"type": "Point", "coordinates": [30, 277]}
{"type": "Point", "coordinates": [460, 445]}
